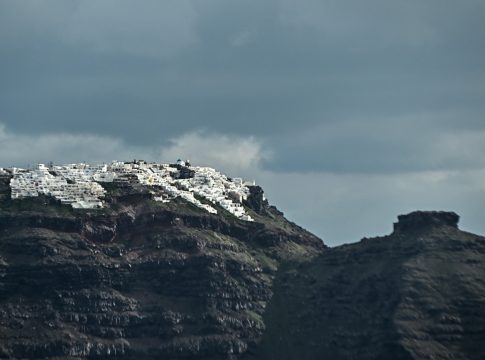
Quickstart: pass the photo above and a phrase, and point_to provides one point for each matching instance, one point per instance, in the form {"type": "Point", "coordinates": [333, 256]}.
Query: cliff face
{"type": "Point", "coordinates": [418, 293]}
{"type": "Point", "coordinates": [139, 279]}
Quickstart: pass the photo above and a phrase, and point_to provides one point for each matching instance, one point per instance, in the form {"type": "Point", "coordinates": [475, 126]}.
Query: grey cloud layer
{"type": "Point", "coordinates": [355, 87]}
{"type": "Point", "coordinates": [146, 71]}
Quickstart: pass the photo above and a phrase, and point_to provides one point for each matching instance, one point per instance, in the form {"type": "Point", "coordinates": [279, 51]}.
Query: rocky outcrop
{"type": "Point", "coordinates": [421, 220]}
{"type": "Point", "coordinates": [137, 280]}
{"type": "Point", "coordinates": [256, 200]}
{"type": "Point", "coordinates": [418, 293]}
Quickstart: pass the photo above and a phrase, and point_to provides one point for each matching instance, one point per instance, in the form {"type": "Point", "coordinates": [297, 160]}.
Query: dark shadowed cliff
{"type": "Point", "coordinates": [144, 279]}
{"type": "Point", "coordinates": [418, 293]}
{"type": "Point", "coordinates": [138, 279]}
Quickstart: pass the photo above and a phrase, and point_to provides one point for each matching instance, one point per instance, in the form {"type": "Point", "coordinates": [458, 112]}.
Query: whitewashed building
{"type": "Point", "coordinates": [79, 185]}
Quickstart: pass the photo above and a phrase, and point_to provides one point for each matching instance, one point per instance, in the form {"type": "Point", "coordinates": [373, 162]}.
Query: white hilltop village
{"type": "Point", "coordinates": [80, 185]}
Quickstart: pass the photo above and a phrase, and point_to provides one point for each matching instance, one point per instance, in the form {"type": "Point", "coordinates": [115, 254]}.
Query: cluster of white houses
{"type": "Point", "coordinates": [79, 185]}
{"type": "Point", "coordinates": [70, 187]}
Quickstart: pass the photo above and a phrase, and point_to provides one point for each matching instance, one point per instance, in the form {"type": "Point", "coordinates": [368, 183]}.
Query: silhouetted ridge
{"type": "Point", "coordinates": [415, 294]}
{"type": "Point", "coordinates": [419, 220]}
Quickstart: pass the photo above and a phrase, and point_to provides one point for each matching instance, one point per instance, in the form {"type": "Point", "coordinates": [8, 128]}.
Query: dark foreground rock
{"type": "Point", "coordinates": [418, 293]}
{"type": "Point", "coordinates": [139, 279]}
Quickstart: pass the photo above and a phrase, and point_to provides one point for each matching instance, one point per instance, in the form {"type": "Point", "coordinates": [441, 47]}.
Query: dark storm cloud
{"type": "Point", "coordinates": [329, 85]}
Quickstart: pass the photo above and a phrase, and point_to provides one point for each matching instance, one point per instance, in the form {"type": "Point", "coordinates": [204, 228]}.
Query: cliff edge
{"type": "Point", "coordinates": [418, 293]}
{"type": "Point", "coordinates": [138, 278]}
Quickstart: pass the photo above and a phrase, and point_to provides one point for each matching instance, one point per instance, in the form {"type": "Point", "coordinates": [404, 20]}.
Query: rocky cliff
{"type": "Point", "coordinates": [144, 279]}
{"type": "Point", "coordinates": [418, 293]}
{"type": "Point", "coordinates": [138, 279]}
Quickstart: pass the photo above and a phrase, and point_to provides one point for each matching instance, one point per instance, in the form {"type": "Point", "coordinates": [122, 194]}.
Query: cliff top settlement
{"type": "Point", "coordinates": [80, 185]}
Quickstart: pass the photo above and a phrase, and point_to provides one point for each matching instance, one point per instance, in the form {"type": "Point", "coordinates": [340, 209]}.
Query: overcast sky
{"type": "Point", "coordinates": [347, 112]}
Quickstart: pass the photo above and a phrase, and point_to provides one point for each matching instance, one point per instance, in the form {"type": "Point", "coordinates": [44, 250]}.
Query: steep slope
{"type": "Point", "coordinates": [418, 293]}
{"type": "Point", "coordinates": [138, 279]}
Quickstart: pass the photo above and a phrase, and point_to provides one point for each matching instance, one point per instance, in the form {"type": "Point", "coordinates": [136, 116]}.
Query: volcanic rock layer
{"type": "Point", "coordinates": [418, 293]}
{"type": "Point", "coordinates": [138, 279]}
